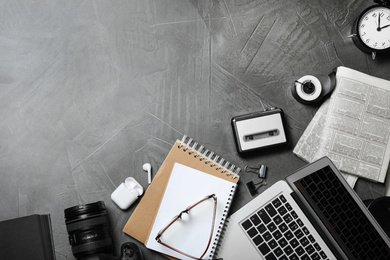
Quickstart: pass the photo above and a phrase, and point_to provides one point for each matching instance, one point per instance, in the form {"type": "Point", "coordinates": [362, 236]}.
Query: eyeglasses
{"type": "Point", "coordinates": [175, 222]}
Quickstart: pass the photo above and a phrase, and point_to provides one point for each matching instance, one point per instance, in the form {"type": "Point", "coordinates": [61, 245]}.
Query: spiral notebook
{"type": "Point", "coordinates": [189, 174]}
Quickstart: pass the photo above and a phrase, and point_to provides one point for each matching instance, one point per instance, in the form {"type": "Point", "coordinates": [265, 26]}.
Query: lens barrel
{"type": "Point", "coordinates": [89, 229]}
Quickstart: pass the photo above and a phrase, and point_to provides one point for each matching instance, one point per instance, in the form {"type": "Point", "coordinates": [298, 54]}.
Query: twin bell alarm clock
{"type": "Point", "coordinates": [371, 30]}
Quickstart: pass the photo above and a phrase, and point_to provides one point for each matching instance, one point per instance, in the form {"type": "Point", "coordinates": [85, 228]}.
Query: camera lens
{"type": "Point", "coordinates": [88, 228]}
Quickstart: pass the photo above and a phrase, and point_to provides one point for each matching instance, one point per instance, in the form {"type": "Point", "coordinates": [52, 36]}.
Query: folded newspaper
{"type": "Point", "coordinates": [352, 127]}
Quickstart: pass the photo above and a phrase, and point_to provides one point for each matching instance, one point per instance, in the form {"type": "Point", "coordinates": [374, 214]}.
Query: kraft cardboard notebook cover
{"type": "Point", "coordinates": [186, 153]}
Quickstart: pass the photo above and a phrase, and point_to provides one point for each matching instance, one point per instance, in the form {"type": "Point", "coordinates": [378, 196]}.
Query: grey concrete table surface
{"type": "Point", "coordinates": [91, 90]}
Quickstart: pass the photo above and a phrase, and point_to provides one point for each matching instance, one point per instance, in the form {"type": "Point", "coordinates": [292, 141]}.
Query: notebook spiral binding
{"type": "Point", "coordinates": [222, 225]}
{"type": "Point", "coordinates": [217, 244]}
{"type": "Point", "coordinates": [209, 157]}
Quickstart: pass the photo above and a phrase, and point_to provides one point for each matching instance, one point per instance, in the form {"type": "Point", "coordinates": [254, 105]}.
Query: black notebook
{"type": "Point", "coordinates": [27, 238]}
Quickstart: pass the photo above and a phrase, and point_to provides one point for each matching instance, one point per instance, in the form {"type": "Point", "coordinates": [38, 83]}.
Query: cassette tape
{"type": "Point", "coordinates": [259, 130]}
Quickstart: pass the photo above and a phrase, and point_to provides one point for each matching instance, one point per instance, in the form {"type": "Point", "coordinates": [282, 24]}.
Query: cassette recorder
{"type": "Point", "coordinates": [259, 130]}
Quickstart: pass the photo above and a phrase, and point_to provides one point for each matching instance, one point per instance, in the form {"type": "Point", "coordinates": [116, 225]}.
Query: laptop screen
{"type": "Point", "coordinates": [341, 215]}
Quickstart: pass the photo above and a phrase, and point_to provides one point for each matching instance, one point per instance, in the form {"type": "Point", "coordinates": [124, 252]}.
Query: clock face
{"type": "Point", "coordinates": [374, 28]}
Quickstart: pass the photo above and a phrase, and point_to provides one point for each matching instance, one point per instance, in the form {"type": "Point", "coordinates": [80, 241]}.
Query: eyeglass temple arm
{"type": "Point", "coordinates": [159, 234]}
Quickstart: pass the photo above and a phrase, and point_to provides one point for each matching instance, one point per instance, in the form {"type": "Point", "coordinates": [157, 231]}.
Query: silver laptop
{"type": "Point", "coordinates": [314, 214]}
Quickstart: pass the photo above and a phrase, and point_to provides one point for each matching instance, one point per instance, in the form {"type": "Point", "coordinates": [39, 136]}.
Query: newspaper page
{"type": "Point", "coordinates": [352, 127]}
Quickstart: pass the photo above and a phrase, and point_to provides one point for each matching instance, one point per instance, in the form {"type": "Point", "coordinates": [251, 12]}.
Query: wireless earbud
{"type": "Point", "coordinates": [148, 168]}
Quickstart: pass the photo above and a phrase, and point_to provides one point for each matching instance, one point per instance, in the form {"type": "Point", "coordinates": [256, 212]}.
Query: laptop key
{"type": "Point", "coordinates": [277, 235]}
{"type": "Point", "coordinates": [310, 249]}
{"type": "Point", "coordinates": [271, 210]}
{"type": "Point", "coordinates": [246, 224]}
{"type": "Point", "coordinates": [255, 219]}
{"type": "Point", "coordinates": [288, 250]}
{"type": "Point", "coordinates": [308, 180]}
{"type": "Point", "coordinates": [267, 236]}
{"type": "Point", "coordinates": [264, 249]}
{"type": "Point", "coordinates": [315, 256]}
{"type": "Point", "coordinates": [271, 227]}
{"type": "Point", "coordinates": [278, 251]}
{"type": "Point", "coordinates": [305, 230]}
{"type": "Point", "coordinates": [293, 226]}
{"type": "Point", "coordinates": [277, 219]}
{"type": "Point", "coordinates": [298, 234]}
{"type": "Point", "coordinates": [305, 257]}
{"type": "Point", "coordinates": [313, 187]}
{"type": "Point", "coordinates": [299, 250]}
{"type": "Point", "coordinates": [315, 177]}
{"type": "Point", "coordinates": [294, 214]}
{"type": "Point", "coordinates": [252, 232]}
{"type": "Point", "coordinates": [289, 235]}
{"type": "Point", "coordinates": [287, 218]}
{"type": "Point", "coordinates": [282, 242]}
{"type": "Point", "coordinates": [272, 244]}
{"type": "Point", "coordinates": [283, 227]}
{"type": "Point", "coordinates": [258, 240]}
{"type": "Point", "coordinates": [317, 246]}
{"type": "Point", "coordinates": [271, 256]}
{"type": "Point", "coordinates": [294, 243]}
{"type": "Point", "coordinates": [262, 228]}
{"type": "Point", "coordinates": [264, 217]}
{"type": "Point", "coordinates": [304, 241]}
{"type": "Point", "coordinates": [323, 255]}
{"type": "Point", "coordinates": [276, 202]}
{"type": "Point", "coordinates": [282, 210]}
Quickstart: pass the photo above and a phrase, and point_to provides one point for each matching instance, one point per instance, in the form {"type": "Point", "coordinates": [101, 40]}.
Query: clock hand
{"type": "Point", "coordinates": [379, 21]}
{"type": "Point", "coordinates": [384, 26]}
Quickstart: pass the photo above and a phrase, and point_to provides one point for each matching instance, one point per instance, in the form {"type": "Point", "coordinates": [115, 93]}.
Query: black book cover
{"type": "Point", "coordinates": [27, 238]}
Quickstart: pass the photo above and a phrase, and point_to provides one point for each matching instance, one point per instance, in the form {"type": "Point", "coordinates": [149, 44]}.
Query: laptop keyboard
{"type": "Point", "coordinates": [342, 215]}
{"type": "Point", "coordinates": [278, 233]}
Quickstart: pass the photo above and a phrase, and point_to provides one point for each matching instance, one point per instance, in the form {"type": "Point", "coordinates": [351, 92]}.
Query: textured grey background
{"type": "Point", "coordinates": [91, 90]}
